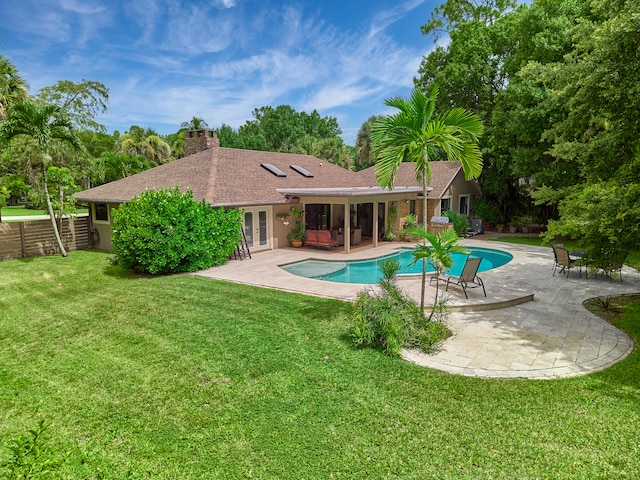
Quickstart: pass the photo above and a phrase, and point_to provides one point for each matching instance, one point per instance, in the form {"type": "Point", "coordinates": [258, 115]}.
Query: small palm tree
{"type": "Point", "coordinates": [414, 134]}
{"type": "Point", "coordinates": [45, 125]}
{"type": "Point", "coordinates": [437, 253]}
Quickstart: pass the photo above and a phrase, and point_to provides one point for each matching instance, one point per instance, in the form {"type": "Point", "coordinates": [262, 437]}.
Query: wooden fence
{"type": "Point", "coordinates": [35, 238]}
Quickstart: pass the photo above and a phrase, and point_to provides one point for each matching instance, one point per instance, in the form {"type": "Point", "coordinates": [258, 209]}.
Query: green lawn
{"type": "Point", "coordinates": [21, 211]}
{"type": "Point", "coordinates": [186, 377]}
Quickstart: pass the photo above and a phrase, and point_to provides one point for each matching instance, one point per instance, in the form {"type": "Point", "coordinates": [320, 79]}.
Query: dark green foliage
{"type": "Point", "coordinates": [391, 320]}
{"type": "Point", "coordinates": [168, 231]}
{"type": "Point", "coordinates": [460, 222]}
{"type": "Point", "coordinates": [31, 456]}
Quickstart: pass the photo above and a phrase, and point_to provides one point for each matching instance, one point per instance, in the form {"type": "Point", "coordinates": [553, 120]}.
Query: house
{"type": "Point", "coordinates": [266, 184]}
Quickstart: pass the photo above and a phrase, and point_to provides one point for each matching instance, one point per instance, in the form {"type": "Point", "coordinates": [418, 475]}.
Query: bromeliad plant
{"type": "Point", "coordinates": [437, 254]}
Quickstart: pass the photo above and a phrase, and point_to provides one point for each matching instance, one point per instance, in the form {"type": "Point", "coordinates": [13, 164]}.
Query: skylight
{"type": "Point", "coordinates": [273, 169]}
{"type": "Point", "coordinates": [302, 171]}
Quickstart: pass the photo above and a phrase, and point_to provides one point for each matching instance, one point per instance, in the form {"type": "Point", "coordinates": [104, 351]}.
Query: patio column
{"type": "Point", "coordinates": [347, 227]}
{"type": "Point", "coordinates": [376, 226]}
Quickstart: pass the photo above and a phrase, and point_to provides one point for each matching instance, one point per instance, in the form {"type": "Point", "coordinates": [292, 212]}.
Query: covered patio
{"type": "Point", "coordinates": [345, 210]}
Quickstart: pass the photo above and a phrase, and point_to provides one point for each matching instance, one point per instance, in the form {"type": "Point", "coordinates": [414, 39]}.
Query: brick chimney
{"type": "Point", "coordinates": [198, 140]}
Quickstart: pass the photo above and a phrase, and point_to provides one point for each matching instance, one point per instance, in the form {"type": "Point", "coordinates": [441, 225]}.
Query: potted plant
{"type": "Point", "coordinates": [297, 234]}
{"type": "Point", "coordinates": [410, 222]}
{"type": "Point", "coordinates": [499, 228]}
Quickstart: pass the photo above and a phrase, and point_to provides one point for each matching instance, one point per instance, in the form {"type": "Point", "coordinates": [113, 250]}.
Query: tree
{"type": "Point", "coordinates": [364, 144]}
{"type": "Point", "coordinates": [282, 129]}
{"type": "Point", "coordinates": [196, 123]}
{"type": "Point", "coordinates": [414, 134]}
{"type": "Point", "coordinates": [147, 143]}
{"type": "Point", "coordinates": [82, 101]}
{"type": "Point", "coordinates": [46, 126]}
{"type": "Point", "coordinates": [13, 88]}
{"type": "Point", "coordinates": [114, 166]}
{"type": "Point", "coordinates": [437, 253]}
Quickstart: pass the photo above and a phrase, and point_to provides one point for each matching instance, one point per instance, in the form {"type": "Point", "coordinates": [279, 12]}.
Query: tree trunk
{"type": "Point", "coordinates": [52, 216]}
{"type": "Point", "coordinates": [425, 193]}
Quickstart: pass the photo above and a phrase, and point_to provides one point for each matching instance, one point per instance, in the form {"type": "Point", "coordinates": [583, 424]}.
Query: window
{"type": "Point", "coordinates": [464, 205]}
{"type": "Point", "coordinates": [445, 204]}
{"type": "Point", "coordinates": [412, 207]}
{"type": "Point", "coordinates": [101, 212]}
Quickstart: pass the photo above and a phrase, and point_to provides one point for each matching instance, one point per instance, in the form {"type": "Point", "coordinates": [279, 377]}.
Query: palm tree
{"type": "Point", "coordinates": [196, 123]}
{"type": "Point", "coordinates": [44, 125]}
{"type": "Point", "coordinates": [437, 253]}
{"type": "Point", "coordinates": [13, 88]}
{"type": "Point", "coordinates": [414, 134]}
{"type": "Point", "coordinates": [146, 143]}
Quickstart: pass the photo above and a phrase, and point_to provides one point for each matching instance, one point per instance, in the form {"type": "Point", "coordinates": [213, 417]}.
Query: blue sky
{"type": "Point", "coordinates": [165, 61]}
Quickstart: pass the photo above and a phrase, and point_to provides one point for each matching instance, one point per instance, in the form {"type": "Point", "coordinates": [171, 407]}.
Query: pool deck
{"type": "Point", "coordinates": [530, 325]}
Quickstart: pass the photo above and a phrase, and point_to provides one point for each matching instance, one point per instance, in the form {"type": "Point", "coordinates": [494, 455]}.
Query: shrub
{"type": "Point", "coordinates": [167, 231]}
{"type": "Point", "coordinates": [460, 222]}
{"type": "Point", "coordinates": [391, 320]}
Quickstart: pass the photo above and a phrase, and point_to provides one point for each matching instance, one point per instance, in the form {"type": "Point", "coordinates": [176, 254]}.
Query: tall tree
{"type": "Point", "coordinates": [13, 88]}
{"type": "Point", "coordinates": [415, 134]}
{"type": "Point", "coordinates": [45, 125]}
{"type": "Point", "coordinates": [283, 129]}
{"type": "Point", "coordinates": [82, 101]}
{"type": "Point", "coordinates": [364, 144]}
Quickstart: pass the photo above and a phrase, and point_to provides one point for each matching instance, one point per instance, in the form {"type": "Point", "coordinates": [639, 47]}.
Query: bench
{"type": "Point", "coordinates": [320, 238]}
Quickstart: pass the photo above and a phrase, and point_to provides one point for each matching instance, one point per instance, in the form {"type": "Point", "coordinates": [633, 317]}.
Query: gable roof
{"type": "Point", "coordinates": [443, 174]}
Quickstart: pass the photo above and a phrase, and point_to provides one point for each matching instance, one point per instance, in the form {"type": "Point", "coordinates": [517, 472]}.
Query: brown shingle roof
{"type": "Point", "coordinates": [227, 176]}
{"type": "Point", "coordinates": [442, 174]}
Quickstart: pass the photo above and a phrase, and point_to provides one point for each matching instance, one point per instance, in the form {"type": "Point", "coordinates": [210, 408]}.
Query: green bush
{"type": "Point", "coordinates": [167, 231]}
{"type": "Point", "coordinates": [460, 222]}
{"type": "Point", "coordinates": [391, 320]}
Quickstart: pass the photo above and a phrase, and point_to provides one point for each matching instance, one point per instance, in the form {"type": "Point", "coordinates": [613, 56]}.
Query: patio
{"type": "Point", "coordinates": [530, 325]}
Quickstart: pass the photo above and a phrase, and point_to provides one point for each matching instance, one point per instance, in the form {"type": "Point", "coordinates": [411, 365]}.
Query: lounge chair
{"type": "Point", "coordinates": [563, 260]}
{"type": "Point", "coordinates": [469, 277]}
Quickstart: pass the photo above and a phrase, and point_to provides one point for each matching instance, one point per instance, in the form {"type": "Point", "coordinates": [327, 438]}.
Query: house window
{"type": "Point", "coordinates": [464, 205]}
{"type": "Point", "coordinates": [101, 213]}
{"type": "Point", "coordinates": [445, 204]}
{"type": "Point", "coordinates": [412, 207]}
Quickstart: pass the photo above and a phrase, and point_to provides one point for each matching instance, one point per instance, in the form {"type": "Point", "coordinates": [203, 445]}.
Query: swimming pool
{"type": "Point", "coordinates": [368, 271]}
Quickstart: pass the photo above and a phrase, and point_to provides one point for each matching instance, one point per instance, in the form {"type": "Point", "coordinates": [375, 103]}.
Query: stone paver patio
{"type": "Point", "coordinates": [531, 325]}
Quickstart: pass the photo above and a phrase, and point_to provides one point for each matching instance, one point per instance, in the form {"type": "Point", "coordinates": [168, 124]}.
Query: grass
{"type": "Point", "coordinates": [185, 377]}
{"type": "Point", "coordinates": [21, 211]}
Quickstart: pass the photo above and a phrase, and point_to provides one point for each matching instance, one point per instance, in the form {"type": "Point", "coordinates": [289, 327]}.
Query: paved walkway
{"type": "Point", "coordinates": [530, 325]}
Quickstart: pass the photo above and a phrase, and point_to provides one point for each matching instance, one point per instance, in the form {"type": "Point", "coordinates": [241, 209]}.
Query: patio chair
{"type": "Point", "coordinates": [563, 260]}
{"type": "Point", "coordinates": [469, 277]}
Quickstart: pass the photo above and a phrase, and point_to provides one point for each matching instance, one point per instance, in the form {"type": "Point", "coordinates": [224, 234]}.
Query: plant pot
{"type": "Point", "coordinates": [499, 229]}
{"type": "Point", "coordinates": [513, 229]}
{"type": "Point", "coordinates": [296, 243]}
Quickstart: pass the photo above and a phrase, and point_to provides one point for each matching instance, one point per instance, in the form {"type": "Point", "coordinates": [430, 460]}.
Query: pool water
{"type": "Point", "coordinates": [368, 271]}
